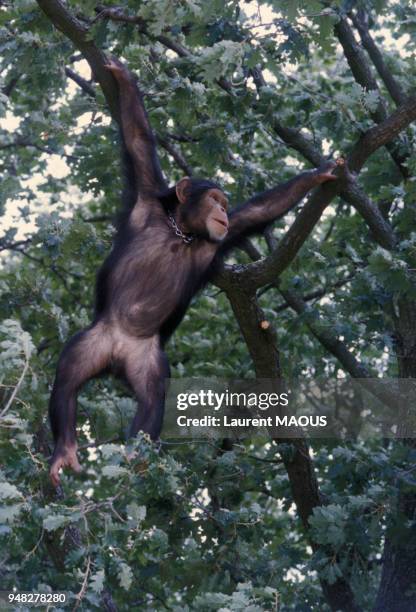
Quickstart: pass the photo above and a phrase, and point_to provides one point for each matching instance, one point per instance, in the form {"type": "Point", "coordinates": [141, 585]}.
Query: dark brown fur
{"type": "Point", "coordinates": [145, 285]}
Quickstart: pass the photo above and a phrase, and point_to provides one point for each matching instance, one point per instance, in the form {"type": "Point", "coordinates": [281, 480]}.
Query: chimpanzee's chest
{"type": "Point", "coordinates": [158, 277]}
{"type": "Point", "coordinates": [168, 261]}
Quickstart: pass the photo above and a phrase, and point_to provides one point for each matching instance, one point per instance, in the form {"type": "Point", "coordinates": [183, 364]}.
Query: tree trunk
{"type": "Point", "coordinates": [262, 344]}
{"type": "Point", "coordinates": [397, 590]}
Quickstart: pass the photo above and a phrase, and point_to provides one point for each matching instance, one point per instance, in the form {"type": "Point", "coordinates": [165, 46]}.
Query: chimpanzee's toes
{"type": "Point", "coordinates": [64, 457]}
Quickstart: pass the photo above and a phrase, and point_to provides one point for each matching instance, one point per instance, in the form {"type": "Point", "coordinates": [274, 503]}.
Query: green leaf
{"type": "Point", "coordinates": [326, 27]}
{"type": "Point", "coordinates": [114, 471]}
{"type": "Point", "coordinates": [55, 521]}
{"type": "Point", "coordinates": [9, 491]}
{"type": "Point", "coordinates": [97, 581]}
{"type": "Point", "coordinates": [135, 512]}
{"type": "Point", "coordinates": [9, 513]}
{"type": "Point", "coordinates": [125, 575]}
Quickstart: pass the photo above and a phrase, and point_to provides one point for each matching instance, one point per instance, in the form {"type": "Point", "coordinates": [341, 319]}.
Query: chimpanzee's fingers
{"type": "Point", "coordinates": [113, 65]}
{"type": "Point", "coordinates": [327, 167]}
{"type": "Point", "coordinates": [54, 475]}
{"type": "Point", "coordinates": [119, 71]}
{"type": "Point", "coordinates": [75, 465]}
{"type": "Point", "coordinates": [116, 67]}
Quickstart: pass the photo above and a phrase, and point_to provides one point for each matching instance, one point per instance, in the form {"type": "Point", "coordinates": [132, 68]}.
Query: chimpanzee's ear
{"type": "Point", "coordinates": [183, 187]}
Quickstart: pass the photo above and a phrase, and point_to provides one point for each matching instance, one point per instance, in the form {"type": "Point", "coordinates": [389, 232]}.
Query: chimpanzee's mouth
{"type": "Point", "coordinates": [222, 223]}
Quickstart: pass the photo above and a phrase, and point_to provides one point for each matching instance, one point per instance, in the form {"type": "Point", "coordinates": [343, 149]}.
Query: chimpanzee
{"type": "Point", "coordinates": [167, 245]}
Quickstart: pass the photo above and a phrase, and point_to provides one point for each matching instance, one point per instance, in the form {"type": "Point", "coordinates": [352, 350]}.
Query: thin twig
{"type": "Point", "coordinates": [83, 589]}
{"type": "Point", "coordinates": [16, 389]}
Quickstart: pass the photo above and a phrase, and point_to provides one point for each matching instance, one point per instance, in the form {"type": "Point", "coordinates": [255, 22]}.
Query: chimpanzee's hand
{"type": "Point", "coordinates": [119, 71]}
{"type": "Point", "coordinates": [324, 172]}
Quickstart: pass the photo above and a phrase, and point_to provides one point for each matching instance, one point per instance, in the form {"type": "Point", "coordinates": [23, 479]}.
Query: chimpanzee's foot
{"type": "Point", "coordinates": [63, 456]}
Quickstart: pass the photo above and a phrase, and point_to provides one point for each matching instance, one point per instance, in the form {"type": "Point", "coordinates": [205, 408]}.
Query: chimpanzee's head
{"type": "Point", "coordinates": [200, 208]}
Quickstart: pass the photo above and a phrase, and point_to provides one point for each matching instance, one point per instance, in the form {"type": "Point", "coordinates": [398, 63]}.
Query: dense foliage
{"type": "Point", "coordinates": [202, 526]}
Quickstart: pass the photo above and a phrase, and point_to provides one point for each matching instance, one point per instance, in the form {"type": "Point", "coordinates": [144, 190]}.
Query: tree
{"type": "Point", "coordinates": [249, 100]}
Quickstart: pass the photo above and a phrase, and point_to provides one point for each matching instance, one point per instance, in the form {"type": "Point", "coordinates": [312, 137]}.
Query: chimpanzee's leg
{"type": "Point", "coordinates": [84, 356]}
{"type": "Point", "coordinates": [146, 368]}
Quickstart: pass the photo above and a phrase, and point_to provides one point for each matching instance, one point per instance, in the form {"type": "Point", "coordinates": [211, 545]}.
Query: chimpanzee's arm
{"type": "Point", "coordinates": [136, 131]}
{"type": "Point", "coordinates": [255, 214]}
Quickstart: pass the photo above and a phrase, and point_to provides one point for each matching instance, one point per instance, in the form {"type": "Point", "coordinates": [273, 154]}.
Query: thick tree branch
{"type": "Point", "coordinates": [293, 138]}
{"type": "Point", "coordinates": [318, 293]}
{"type": "Point", "coordinates": [176, 154]}
{"type": "Point", "coordinates": [69, 25]}
{"type": "Point", "coordinates": [86, 87]}
{"type": "Point", "coordinates": [360, 21]}
{"type": "Point", "coordinates": [116, 13]}
{"type": "Point", "coordinates": [361, 69]}
{"type": "Point", "coordinates": [261, 341]}
{"type": "Point", "coordinates": [359, 65]}
{"type": "Point", "coordinates": [298, 141]}
{"type": "Point", "coordinates": [267, 270]}
{"type": "Point", "coordinates": [379, 226]}
{"type": "Point", "coordinates": [381, 134]}
{"type": "Point", "coordinates": [325, 335]}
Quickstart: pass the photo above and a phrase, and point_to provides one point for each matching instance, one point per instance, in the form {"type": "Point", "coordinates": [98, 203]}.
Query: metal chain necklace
{"type": "Point", "coordinates": [187, 238]}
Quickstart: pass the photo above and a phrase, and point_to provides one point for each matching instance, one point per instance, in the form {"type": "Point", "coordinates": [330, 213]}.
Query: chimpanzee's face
{"type": "Point", "coordinates": [208, 217]}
